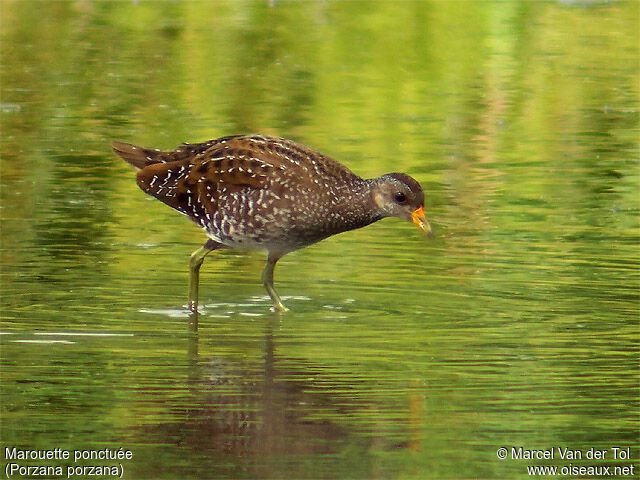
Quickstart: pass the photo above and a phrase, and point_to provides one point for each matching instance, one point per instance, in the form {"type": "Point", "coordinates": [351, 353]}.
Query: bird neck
{"type": "Point", "coordinates": [356, 206]}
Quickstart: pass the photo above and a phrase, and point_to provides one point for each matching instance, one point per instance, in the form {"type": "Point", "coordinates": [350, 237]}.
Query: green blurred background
{"type": "Point", "coordinates": [401, 357]}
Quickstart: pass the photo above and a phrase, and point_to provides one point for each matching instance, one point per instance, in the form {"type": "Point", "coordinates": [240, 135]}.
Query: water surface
{"type": "Point", "coordinates": [400, 357]}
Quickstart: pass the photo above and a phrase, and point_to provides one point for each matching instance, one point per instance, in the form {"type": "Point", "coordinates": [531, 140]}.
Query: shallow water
{"type": "Point", "coordinates": [401, 356]}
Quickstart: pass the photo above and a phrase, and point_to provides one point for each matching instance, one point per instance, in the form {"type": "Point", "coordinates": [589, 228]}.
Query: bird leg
{"type": "Point", "coordinates": [195, 261]}
{"type": "Point", "coordinates": [267, 280]}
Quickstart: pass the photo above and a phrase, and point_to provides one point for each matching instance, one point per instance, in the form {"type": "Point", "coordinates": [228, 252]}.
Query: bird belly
{"type": "Point", "coordinates": [274, 226]}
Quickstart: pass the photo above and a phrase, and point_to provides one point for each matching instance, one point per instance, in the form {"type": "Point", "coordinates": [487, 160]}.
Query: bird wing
{"type": "Point", "coordinates": [297, 162]}
{"type": "Point", "coordinates": [141, 157]}
{"type": "Point", "coordinates": [193, 177]}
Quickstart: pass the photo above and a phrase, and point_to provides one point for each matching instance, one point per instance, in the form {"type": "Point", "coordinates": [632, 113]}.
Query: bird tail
{"type": "Point", "coordinates": [139, 157]}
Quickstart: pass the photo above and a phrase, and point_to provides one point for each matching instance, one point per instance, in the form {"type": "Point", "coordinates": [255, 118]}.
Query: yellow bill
{"type": "Point", "coordinates": [419, 219]}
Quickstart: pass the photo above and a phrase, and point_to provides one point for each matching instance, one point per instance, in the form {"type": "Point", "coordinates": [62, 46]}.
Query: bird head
{"type": "Point", "coordinates": [399, 195]}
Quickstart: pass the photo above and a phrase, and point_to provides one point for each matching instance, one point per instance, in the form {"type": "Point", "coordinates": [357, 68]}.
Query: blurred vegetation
{"type": "Point", "coordinates": [517, 323]}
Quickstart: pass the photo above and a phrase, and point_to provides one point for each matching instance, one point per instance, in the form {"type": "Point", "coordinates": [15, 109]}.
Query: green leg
{"type": "Point", "coordinates": [267, 280]}
{"type": "Point", "coordinates": [195, 262]}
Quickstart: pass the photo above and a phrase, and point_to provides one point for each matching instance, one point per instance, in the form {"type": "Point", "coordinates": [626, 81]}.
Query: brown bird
{"type": "Point", "coordinates": [260, 192]}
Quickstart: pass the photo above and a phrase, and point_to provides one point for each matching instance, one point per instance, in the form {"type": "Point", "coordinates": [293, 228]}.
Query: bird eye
{"type": "Point", "coordinates": [400, 197]}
